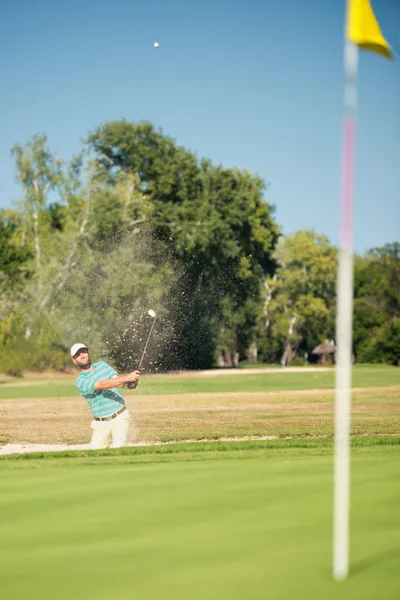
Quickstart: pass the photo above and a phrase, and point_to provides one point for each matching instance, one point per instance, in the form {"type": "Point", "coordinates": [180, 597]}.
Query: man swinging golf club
{"type": "Point", "coordinates": [98, 383]}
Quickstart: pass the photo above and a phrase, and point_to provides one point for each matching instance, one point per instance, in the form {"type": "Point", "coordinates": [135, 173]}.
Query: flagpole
{"type": "Point", "coordinates": [344, 323]}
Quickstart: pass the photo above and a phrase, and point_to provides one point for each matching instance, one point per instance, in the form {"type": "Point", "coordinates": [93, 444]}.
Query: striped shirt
{"type": "Point", "coordinates": [103, 402]}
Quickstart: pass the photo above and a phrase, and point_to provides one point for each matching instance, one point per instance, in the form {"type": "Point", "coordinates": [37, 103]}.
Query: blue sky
{"type": "Point", "coordinates": [247, 83]}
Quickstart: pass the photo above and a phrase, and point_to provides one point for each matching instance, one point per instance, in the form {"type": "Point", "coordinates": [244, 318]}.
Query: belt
{"type": "Point", "coordinates": [110, 417]}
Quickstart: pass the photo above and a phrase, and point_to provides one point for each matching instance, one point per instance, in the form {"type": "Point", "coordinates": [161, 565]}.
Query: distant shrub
{"type": "Point", "coordinates": [383, 346]}
{"type": "Point", "coordinates": [299, 362]}
{"type": "Point", "coordinates": [32, 355]}
{"type": "Point", "coordinates": [10, 364]}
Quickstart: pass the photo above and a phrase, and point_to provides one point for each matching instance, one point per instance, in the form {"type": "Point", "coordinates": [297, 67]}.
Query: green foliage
{"type": "Point", "coordinates": [37, 167]}
{"type": "Point", "coordinates": [14, 270]}
{"type": "Point", "coordinates": [210, 213]}
{"type": "Point", "coordinates": [141, 222]}
{"type": "Point", "coordinates": [106, 298]}
{"type": "Point", "coordinates": [117, 210]}
{"type": "Point", "coordinates": [299, 362]}
{"type": "Point", "coordinates": [383, 346]}
{"type": "Point", "coordinates": [367, 320]}
{"type": "Point", "coordinates": [383, 283]}
{"type": "Point", "coordinates": [217, 224]}
{"type": "Point", "coordinates": [377, 305]}
{"type": "Point", "coordinates": [50, 233]}
{"type": "Point", "coordinates": [299, 298]}
{"type": "Point", "coordinates": [32, 355]}
{"type": "Point", "coordinates": [40, 351]}
{"type": "Point", "coordinates": [12, 328]}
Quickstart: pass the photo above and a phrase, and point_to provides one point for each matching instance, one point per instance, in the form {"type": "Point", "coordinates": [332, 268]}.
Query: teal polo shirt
{"type": "Point", "coordinates": [103, 402]}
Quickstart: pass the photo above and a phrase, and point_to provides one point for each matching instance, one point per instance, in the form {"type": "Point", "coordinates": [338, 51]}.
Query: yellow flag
{"type": "Point", "coordinates": [363, 28]}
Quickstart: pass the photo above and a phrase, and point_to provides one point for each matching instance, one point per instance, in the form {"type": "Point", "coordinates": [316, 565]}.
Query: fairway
{"type": "Point", "coordinates": [224, 520]}
{"type": "Point", "coordinates": [256, 526]}
{"type": "Point", "coordinates": [191, 383]}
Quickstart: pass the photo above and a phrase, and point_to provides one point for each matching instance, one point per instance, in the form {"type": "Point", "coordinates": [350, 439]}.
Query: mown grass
{"type": "Point", "coordinates": [179, 526]}
{"type": "Point", "coordinates": [178, 451]}
{"type": "Point", "coordinates": [363, 376]}
{"type": "Point", "coordinates": [218, 520]}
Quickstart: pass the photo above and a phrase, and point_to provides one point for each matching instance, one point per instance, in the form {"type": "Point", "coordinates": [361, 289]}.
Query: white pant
{"type": "Point", "coordinates": [117, 428]}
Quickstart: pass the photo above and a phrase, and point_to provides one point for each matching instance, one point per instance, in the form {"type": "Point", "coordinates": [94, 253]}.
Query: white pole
{"type": "Point", "coordinates": [344, 324]}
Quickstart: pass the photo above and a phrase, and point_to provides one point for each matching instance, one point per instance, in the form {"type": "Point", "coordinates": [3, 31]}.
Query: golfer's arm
{"type": "Point", "coordinates": [106, 384]}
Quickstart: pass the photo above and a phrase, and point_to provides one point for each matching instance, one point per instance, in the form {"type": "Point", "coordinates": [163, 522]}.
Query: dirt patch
{"type": "Point", "coordinates": [276, 406]}
{"type": "Point", "coordinates": [66, 421]}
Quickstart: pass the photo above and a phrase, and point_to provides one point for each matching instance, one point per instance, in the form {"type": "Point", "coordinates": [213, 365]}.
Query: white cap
{"type": "Point", "coordinates": [77, 347]}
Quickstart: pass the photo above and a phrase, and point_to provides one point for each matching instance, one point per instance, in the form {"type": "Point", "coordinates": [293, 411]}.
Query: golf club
{"type": "Point", "coordinates": [133, 384]}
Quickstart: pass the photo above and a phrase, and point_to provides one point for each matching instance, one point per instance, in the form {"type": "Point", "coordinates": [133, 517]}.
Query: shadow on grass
{"type": "Point", "coordinates": [373, 561]}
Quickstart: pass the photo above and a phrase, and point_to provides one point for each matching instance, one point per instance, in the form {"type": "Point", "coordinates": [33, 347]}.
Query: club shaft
{"type": "Point", "coordinates": [147, 342]}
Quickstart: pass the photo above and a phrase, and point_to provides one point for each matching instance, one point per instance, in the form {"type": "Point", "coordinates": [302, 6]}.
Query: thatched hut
{"type": "Point", "coordinates": [324, 350]}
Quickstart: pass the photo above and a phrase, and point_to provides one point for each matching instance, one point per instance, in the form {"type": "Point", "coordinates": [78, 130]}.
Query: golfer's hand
{"type": "Point", "coordinates": [133, 376]}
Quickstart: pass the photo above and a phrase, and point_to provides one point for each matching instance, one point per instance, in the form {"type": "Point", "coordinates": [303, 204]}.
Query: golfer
{"type": "Point", "coordinates": [97, 383]}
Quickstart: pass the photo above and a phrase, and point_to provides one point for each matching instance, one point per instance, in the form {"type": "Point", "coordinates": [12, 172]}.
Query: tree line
{"type": "Point", "coordinates": [135, 222]}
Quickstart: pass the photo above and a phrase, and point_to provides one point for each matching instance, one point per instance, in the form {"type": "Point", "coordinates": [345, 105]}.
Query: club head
{"type": "Point", "coordinates": [151, 313]}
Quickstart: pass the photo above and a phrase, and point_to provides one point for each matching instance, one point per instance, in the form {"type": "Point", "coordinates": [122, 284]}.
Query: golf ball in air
{"type": "Point", "coordinates": [151, 313]}
{"type": "Point", "coordinates": [156, 44]}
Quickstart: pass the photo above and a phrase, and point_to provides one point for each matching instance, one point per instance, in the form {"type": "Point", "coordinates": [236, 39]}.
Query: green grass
{"type": "Point", "coordinates": [169, 452]}
{"type": "Point", "coordinates": [220, 520]}
{"type": "Point", "coordinates": [253, 523]}
{"type": "Point", "coordinates": [363, 376]}
{"type": "Point", "coordinates": [244, 364]}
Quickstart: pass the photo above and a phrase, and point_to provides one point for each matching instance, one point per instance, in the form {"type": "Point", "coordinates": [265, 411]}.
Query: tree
{"type": "Point", "coordinates": [14, 276]}
{"type": "Point", "coordinates": [383, 346]}
{"type": "Point", "coordinates": [106, 298]}
{"type": "Point", "coordinates": [300, 298]}
{"type": "Point", "coordinates": [52, 232]}
{"type": "Point", "coordinates": [216, 224]}
{"type": "Point", "coordinates": [14, 271]}
{"type": "Point", "coordinates": [38, 171]}
{"type": "Point", "coordinates": [86, 230]}
{"type": "Point", "coordinates": [382, 285]}
{"type": "Point", "coordinates": [377, 304]}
